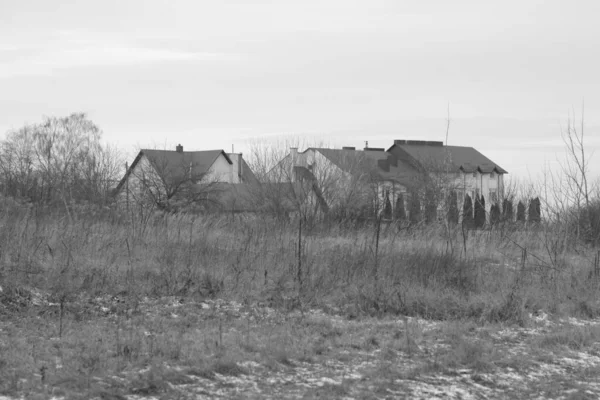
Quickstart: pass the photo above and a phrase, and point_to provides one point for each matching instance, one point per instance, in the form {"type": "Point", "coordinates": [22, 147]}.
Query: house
{"type": "Point", "coordinates": [167, 176]}
{"type": "Point", "coordinates": [383, 178]}
{"type": "Point", "coordinates": [346, 178]}
{"type": "Point", "coordinates": [461, 169]}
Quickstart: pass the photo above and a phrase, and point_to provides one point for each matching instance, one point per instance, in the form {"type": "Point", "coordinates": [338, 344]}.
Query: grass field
{"type": "Point", "coordinates": [113, 306]}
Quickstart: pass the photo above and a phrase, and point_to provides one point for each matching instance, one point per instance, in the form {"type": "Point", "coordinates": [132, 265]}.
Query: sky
{"type": "Point", "coordinates": [212, 74]}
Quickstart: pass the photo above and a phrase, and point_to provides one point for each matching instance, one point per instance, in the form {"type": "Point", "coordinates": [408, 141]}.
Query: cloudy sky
{"type": "Point", "coordinates": [209, 74]}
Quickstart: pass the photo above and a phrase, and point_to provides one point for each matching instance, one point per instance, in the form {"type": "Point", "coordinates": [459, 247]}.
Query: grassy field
{"type": "Point", "coordinates": [96, 304]}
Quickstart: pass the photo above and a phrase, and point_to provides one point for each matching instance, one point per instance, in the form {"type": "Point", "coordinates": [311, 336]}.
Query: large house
{"type": "Point", "coordinates": [167, 176]}
{"type": "Point", "coordinates": [347, 176]}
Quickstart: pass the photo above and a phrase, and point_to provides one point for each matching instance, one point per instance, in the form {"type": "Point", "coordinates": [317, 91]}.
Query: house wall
{"type": "Point", "coordinates": [490, 185]}
{"type": "Point", "coordinates": [338, 186]}
{"type": "Point", "coordinates": [221, 171]}
{"type": "Point", "coordinates": [236, 159]}
{"type": "Point", "coordinates": [133, 192]}
{"type": "Point", "coordinates": [331, 180]}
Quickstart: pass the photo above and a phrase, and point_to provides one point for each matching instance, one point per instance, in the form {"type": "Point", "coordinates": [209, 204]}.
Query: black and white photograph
{"type": "Point", "coordinates": [299, 199]}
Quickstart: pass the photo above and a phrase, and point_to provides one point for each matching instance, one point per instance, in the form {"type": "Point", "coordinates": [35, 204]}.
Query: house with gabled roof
{"type": "Point", "coordinates": [463, 169]}
{"type": "Point", "coordinates": [348, 176]}
{"type": "Point", "coordinates": [343, 179]}
{"type": "Point", "coordinates": [166, 176]}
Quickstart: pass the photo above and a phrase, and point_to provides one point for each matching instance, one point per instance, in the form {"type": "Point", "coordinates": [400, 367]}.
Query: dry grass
{"type": "Point", "coordinates": [88, 303]}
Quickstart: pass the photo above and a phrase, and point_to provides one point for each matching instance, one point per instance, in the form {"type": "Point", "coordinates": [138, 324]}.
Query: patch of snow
{"type": "Point", "coordinates": [327, 381]}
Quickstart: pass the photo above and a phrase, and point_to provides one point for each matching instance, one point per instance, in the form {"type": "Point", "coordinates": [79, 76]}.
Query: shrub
{"type": "Point", "coordinates": [521, 212]}
{"type": "Point", "coordinates": [468, 212]}
{"type": "Point", "coordinates": [479, 212]}
{"type": "Point", "coordinates": [399, 211]}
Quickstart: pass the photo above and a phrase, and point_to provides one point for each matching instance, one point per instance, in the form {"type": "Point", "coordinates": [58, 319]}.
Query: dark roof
{"type": "Point", "coordinates": [458, 158]}
{"type": "Point", "coordinates": [382, 164]}
{"type": "Point", "coordinates": [247, 173]}
{"type": "Point", "coordinates": [174, 165]}
{"type": "Point", "coordinates": [256, 197]}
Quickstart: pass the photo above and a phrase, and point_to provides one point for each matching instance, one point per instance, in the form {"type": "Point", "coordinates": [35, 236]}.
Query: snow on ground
{"type": "Point", "coordinates": [403, 357]}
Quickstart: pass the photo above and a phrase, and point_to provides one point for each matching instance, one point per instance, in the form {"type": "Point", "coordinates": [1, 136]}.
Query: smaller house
{"type": "Point", "coordinates": [167, 177]}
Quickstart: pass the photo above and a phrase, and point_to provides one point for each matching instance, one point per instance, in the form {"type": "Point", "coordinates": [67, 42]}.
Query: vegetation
{"type": "Point", "coordinates": [103, 302]}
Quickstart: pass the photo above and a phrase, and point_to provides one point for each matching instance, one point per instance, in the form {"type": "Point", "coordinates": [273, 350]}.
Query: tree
{"type": "Point", "coordinates": [452, 208]}
{"type": "Point", "coordinates": [521, 212]}
{"type": "Point", "coordinates": [399, 210]}
{"type": "Point", "coordinates": [431, 204]}
{"type": "Point", "coordinates": [577, 201]}
{"type": "Point", "coordinates": [61, 160]}
{"type": "Point", "coordinates": [387, 206]}
{"type": "Point", "coordinates": [17, 163]}
{"type": "Point", "coordinates": [534, 211]}
{"type": "Point", "coordinates": [479, 211]}
{"type": "Point", "coordinates": [467, 215]}
{"type": "Point", "coordinates": [414, 207]}
{"type": "Point", "coordinates": [495, 214]}
{"type": "Point", "coordinates": [507, 210]}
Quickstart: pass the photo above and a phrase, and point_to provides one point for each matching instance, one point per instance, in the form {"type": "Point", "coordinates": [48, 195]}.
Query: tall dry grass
{"type": "Point", "coordinates": [432, 271]}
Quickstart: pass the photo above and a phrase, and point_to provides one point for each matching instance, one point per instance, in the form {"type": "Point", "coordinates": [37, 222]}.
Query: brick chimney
{"type": "Point", "coordinates": [179, 148]}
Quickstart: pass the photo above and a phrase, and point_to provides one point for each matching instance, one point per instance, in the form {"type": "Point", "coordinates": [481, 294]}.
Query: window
{"type": "Point", "coordinates": [492, 175]}
{"type": "Point", "coordinates": [493, 196]}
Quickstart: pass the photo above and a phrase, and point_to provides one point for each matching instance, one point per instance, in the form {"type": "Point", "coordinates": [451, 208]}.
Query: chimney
{"type": "Point", "coordinates": [348, 148]}
{"type": "Point", "coordinates": [294, 159]}
{"type": "Point", "coordinates": [294, 154]}
{"type": "Point", "coordinates": [179, 148]}
{"type": "Point", "coordinates": [374, 149]}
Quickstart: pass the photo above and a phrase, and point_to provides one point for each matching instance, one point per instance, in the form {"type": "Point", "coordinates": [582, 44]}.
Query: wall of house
{"type": "Point", "coordinates": [331, 180]}
{"type": "Point", "coordinates": [221, 171]}
{"type": "Point", "coordinates": [236, 159]}
{"type": "Point", "coordinates": [490, 185]}
{"type": "Point", "coordinates": [340, 187]}
{"type": "Point", "coordinates": [133, 190]}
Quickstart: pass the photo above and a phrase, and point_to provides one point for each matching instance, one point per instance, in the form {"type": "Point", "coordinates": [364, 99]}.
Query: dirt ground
{"type": "Point", "coordinates": [171, 348]}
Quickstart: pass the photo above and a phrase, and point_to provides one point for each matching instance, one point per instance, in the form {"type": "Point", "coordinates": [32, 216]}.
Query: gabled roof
{"type": "Point", "coordinates": [381, 164]}
{"type": "Point", "coordinates": [247, 173]}
{"type": "Point", "coordinates": [172, 162]}
{"type": "Point", "coordinates": [439, 158]}
{"type": "Point", "coordinates": [174, 165]}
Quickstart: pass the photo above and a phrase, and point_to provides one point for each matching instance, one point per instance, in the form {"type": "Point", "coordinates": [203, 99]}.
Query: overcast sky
{"type": "Point", "coordinates": [209, 74]}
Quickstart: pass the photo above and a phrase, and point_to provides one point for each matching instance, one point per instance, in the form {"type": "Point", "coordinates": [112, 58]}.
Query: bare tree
{"type": "Point", "coordinates": [577, 196]}
{"type": "Point", "coordinates": [168, 183]}
{"type": "Point", "coordinates": [61, 159]}
{"type": "Point", "coordinates": [316, 182]}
